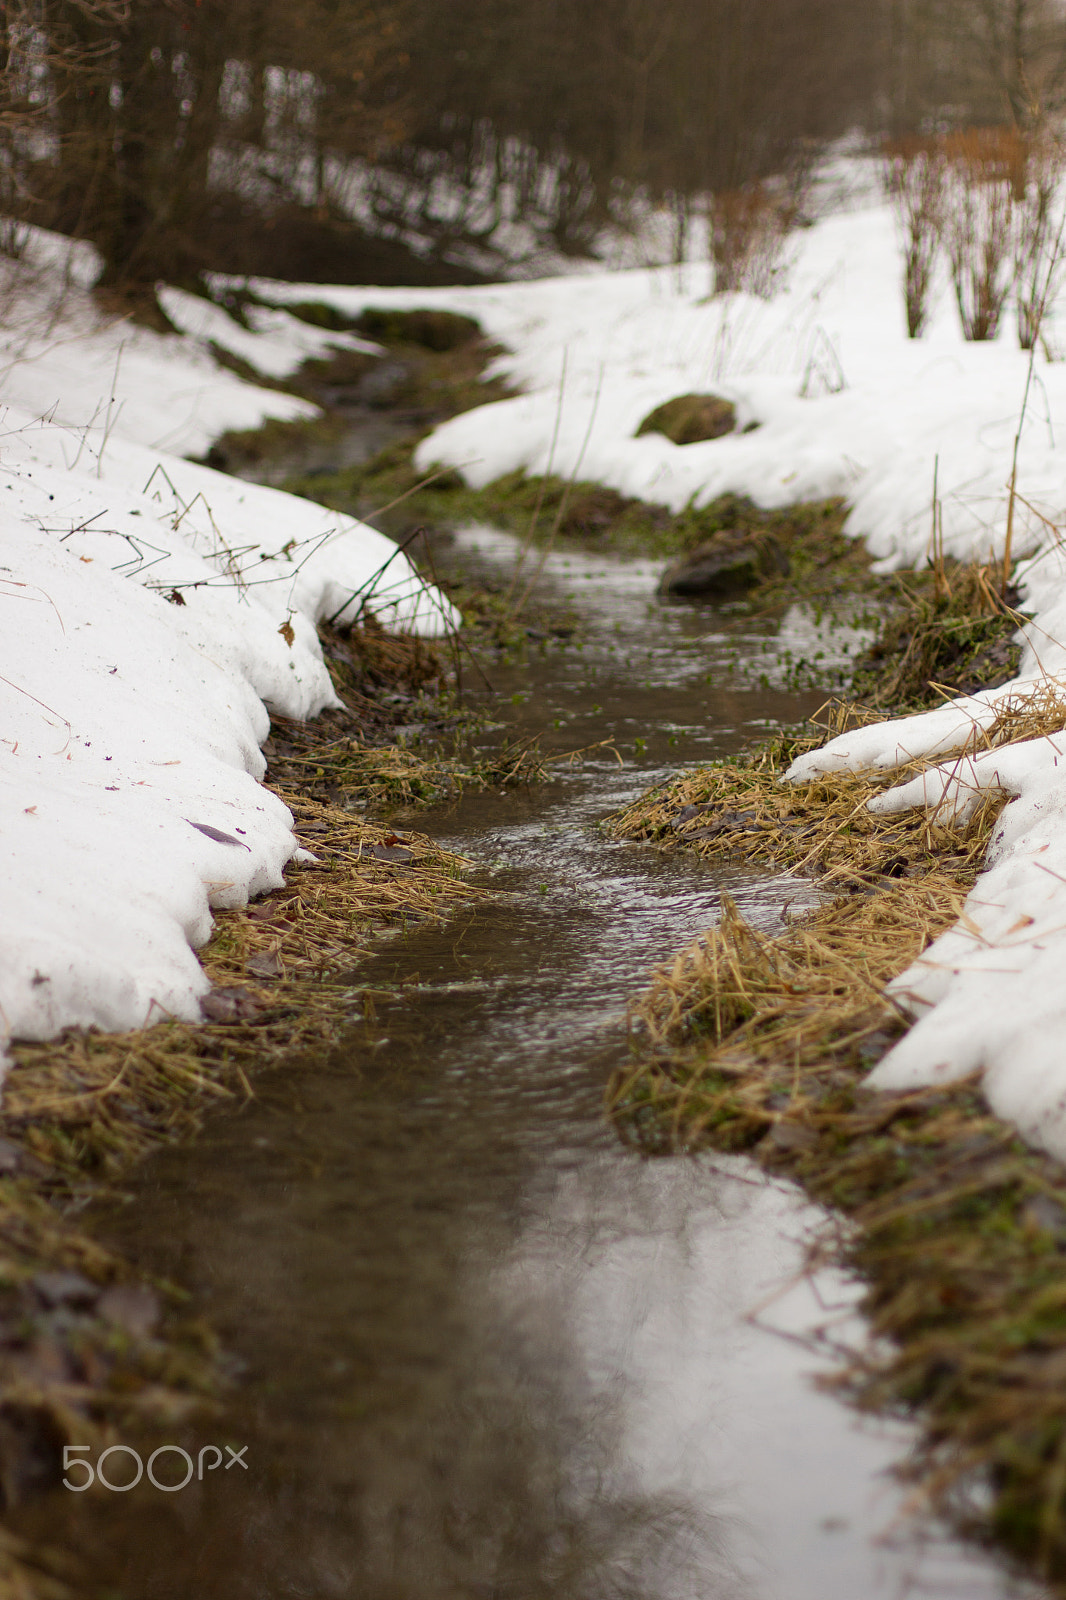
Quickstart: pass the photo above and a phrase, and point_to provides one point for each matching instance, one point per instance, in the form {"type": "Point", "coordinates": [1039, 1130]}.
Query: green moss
{"type": "Point", "coordinates": [431, 329]}
{"type": "Point", "coordinates": [690, 418]}
{"type": "Point", "coordinates": [956, 634]}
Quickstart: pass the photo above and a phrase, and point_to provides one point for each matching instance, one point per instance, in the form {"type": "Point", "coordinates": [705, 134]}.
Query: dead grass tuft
{"type": "Point", "coordinates": [954, 635]}
{"type": "Point", "coordinates": [822, 828]}
{"type": "Point", "coordinates": [763, 1044]}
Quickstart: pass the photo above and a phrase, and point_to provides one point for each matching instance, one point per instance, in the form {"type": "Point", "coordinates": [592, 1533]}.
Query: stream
{"type": "Point", "coordinates": [484, 1351]}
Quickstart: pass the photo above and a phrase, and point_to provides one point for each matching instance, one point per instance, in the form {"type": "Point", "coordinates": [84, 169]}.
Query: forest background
{"type": "Point", "coordinates": [388, 140]}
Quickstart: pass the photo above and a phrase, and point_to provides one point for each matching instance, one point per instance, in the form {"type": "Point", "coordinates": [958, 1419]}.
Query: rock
{"type": "Point", "coordinates": [691, 418]}
{"type": "Point", "coordinates": [729, 564]}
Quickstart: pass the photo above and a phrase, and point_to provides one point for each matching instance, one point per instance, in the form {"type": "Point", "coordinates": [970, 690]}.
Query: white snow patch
{"type": "Point", "coordinates": [146, 604]}
{"type": "Point", "coordinates": [276, 343]}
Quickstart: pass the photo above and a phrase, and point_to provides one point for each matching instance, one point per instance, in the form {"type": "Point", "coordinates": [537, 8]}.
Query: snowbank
{"type": "Point", "coordinates": [154, 613]}
{"type": "Point", "coordinates": [988, 995]}
{"type": "Point", "coordinates": [844, 405]}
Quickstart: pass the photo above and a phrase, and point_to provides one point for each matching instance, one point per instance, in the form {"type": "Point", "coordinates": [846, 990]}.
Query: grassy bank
{"type": "Point", "coordinates": [88, 1351]}
{"type": "Point", "coordinates": [747, 1042]}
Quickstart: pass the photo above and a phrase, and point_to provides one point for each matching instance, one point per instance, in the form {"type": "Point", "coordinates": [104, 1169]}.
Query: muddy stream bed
{"type": "Point", "coordinates": [484, 1351]}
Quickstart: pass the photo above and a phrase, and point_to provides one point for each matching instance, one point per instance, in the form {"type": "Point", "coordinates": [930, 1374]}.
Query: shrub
{"type": "Point", "coordinates": [985, 172]}
{"type": "Point", "coordinates": [914, 177]}
{"type": "Point", "coordinates": [749, 228]}
{"type": "Point", "coordinates": [1038, 256]}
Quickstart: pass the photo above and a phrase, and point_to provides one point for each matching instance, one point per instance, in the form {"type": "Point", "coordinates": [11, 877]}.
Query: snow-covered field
{"type": "Point", "coordinates": [842, 404]}
{"type": "Point", "coordinates": [154, 613]}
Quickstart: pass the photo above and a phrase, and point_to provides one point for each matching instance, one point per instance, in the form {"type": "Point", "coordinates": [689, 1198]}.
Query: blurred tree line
{"type": "Point", "coordinates": [179, 134]}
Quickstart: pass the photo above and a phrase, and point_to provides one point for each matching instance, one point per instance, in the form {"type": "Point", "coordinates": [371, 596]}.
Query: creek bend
{"type": "Point", "coordinates": [485, 1350]}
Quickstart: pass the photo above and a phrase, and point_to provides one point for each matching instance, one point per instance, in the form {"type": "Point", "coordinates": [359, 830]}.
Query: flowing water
{"type": "Point", "coordinates": [486, 1352]}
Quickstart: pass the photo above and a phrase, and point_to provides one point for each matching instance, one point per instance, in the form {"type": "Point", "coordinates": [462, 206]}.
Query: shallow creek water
{"type": "Point", "coordinates": [485, 1350]}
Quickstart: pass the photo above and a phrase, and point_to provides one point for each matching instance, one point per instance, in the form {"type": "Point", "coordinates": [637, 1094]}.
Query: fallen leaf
{"type": "Point", "coordinates": [216, 833]}
{"type": "Point", "coordinates": [384, 852]}
{"type": "Point", "coordinates": [229, 1003]}
{"type": "Point", "coordinates": [286, 631]}
{"type": "Point", "coordinates": [264, 965]}
{"type": "Point", "coordinates": [263, 913]}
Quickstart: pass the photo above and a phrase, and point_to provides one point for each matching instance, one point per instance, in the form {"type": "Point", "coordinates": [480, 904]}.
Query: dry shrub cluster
{"type": "Point", "coordinates": [1038, 255]}
{"type": "Point", "coordinates": [914, 178]}
{"type": "Point", "coordinates": [984, 170]}
{"type": "Point", "coordinates": [749, 230]}
{"type": "Point", "coordinates": [987, 198]}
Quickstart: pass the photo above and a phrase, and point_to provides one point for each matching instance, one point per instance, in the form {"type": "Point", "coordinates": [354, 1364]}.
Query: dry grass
{"type": "Point", "coordinates": [743, 1032]}
{"type": "Point", "coordinates": [952, 634]}
{"type": "Point", "coordinates": [77, 1111]}
{"type": "Point", "coordinates": [958, 1230]}
{"type": "Point", "coordinates": [821, 828]}
{"type": "Point", "coordinates": [757, 1043]}
{"type": "Point", "coordinates": [91, 1103]}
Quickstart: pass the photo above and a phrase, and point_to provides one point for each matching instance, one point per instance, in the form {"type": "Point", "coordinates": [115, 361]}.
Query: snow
{"type": "Point", "coordinates": [843, 404]}
{"type": "Point", "coordinates": [831, 399]}
{"type": "Point", "coordinates": [276, 343]}
{"type": "Point", "coordinates": [155, 613]}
